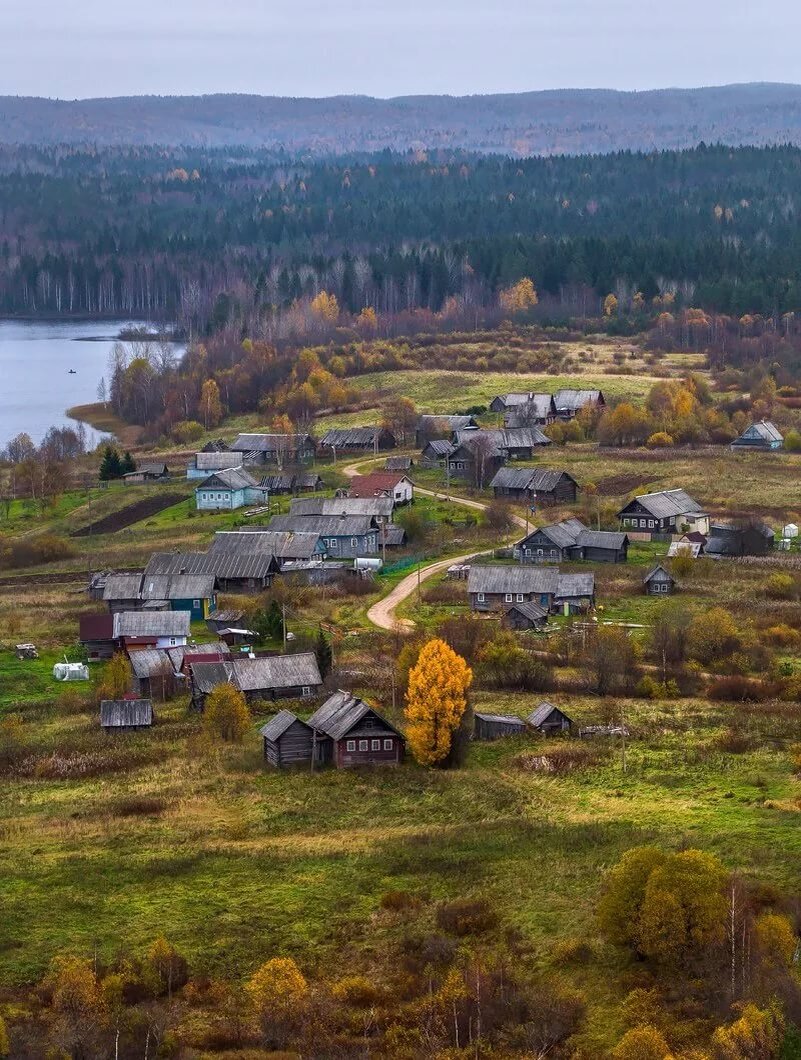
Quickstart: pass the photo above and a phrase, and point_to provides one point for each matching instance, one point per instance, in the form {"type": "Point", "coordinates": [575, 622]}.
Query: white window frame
{"type": "Point", "coordinates": [350, 745]}
{"type": "Point", "coordinates": [480, 598]}
{"type": "Point", "coordinates": [196, 604]}
{"type": "Point", "coordinates": [363, 745]}
{"type": "Point", "coordinates": [353, 542]}
{"type": "Point", "coordinates": [375, 745]}
{"type": "Point", "coordinates": [520, 598]}
{"type": "Point", "coordinates": [651, 523]}
{"type": "Point", "coordinates": [306, 690]}
{"type": "Point", "coordinates": [389, 745]}
{"type": "Point", "coordinates": [333, 544]}
{"type": "Point", "coordinates": [540, 552]}
{"type": "Point", "coordinates": [508, 598]}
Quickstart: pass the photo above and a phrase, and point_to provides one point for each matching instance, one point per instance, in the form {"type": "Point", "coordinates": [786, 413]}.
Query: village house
{"type": "Point", "coordinates": [572, 540]}
{"type": "Point", "coordinates": [476, 460]}
{"type": "Point", "coordinates": [267, 677]}
{"type": "Point", "coordinates": [123, 592]}
{"type": "Point", "coordinates": [290, 482]}
{"type": "Point", "coordinates": [496, 587]}
{"type": "Point", "coordinates": [538, 411]}
{"type": "Point", "coordinates": [96, 635]}
{"type": "Point", "coordinates": [228, 490]}
{"type": "Point", "coordinates": [286, 546]}
{"type": "Point", "coordinates": [397, 487]}
{"type": "Point", "coordinates": [377, 508]}
{"type": "Point", "coordinates": [204, 464]}
{"type": "Point", "coordinates": [349, 732]}
{"type": "Point", "coordinates": [570, 402]}
{"type": "Point", "coordinates": [344, 536]}
{"type": "Point", "coordinates": [548, 719]}
{"type": "Point", "coordinates": [436, 452]}
{"type": "Point", "coordinates": [126, 715]}
{"type": "Point", "coordinates": [761, 436]}
{"type": "Point", "coordinates": [665, 512]}
{"type": "Point", "coordinates": [153, 674]}
{"type": "Point", "coordinates": [496, 726]}
{"type": "Point", "coordinates": [280, 449]}
{"type": "Point", "coordinates": [750, 538]}
{"type": "Point", "coordinates": [287, 740]}
{"type": "Point", "coordinates": [659, 582]}
{"type": "Point", "coordinates": [524, 616]}
{"type": "Point", "coordinates": [134, 630]}
{"type": "Point", "coordinates": [357, 440]}
{"type": "Point", "coordinates": [434, 427]}
{"type": "Point", "coordinates": [518, 443]}
{"type": "Point", "coordinates": [177, 590]}
{"type": "Point", "coordinates": [535, 485]}
{"type": "Point", "coordinates": [150, 472]}
{"type": "Point", "coordinates": [233, 572]}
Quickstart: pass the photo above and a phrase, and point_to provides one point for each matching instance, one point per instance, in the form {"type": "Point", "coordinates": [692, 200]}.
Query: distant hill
{"type": "Point", "coordinates": [532, 123]}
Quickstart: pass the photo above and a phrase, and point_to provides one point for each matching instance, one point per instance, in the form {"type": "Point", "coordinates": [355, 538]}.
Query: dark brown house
{"type": "Point", "coordinates": [96, 634]}
{"type": "Point", "coordinates": [288, 741]}
{"type": "Point", "coordinates": [349, 732]}
{"type": "Point", "coordinates": [535, 484]}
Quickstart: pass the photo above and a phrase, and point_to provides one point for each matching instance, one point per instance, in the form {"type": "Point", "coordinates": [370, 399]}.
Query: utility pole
{"type": "Point", "coordinates": [283, 622]}
{"type": "Point", "coordinates": [419, 563]}
{"type": "Point", "coordinates": [623, 738]}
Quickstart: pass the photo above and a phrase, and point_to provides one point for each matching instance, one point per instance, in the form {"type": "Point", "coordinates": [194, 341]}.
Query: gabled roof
{"type": "Point", "coordinates": [513, 400]}
{"type": "Point", "coordinates": [541, 714]}
{"type": "Point", "coordinates": [151, 624]}
{"type": "Point", "coordinates": [207, 675]}
{"type": "Point", "coordinates": [215, 564]}
{"type": "Point", "coordinates": [398, 463]}
{"type": "Point", "coordinates": [764, 431]}
{"type": "Point", "coordinates": [234, 478]}
{"type": "Point", "coordinates": [394, 535]}
{"type": "Point", "coordinates": [656, 570]}
{"type": "Point", "coordinates": [537, 406]}
{"type": "Point", "coordinates": [284, 544]}
{"type": "Point", "coordinates": [667, 503]}
{"type": "Point", "coordinates": [122, 587]}
{"type": "Point", "coordinates": [277, 671]}
{"type": "Point", "coordinates": [271, 443]}
{"type": "Point", "coordinates": [502, 719]}
{"type": "Point", "coordinates": [177, 587]}
{"type": "Point", "coordinates": [277, 726]}
{"type": "Point", "coordinates": [123, 713]}
{"type": "Point", "coordinates": [540, 479]}
{"type": "Point", "coordinates": [359, 436]}
{"type": "Point", "coordinates": [575, 585]}
{"type": "Point", "coordinates": [377, 507]}
{"type": "Point", "coordinates": [371, 486]}
{"type": "Point", "coordinates": [325, 525]}
{"type": "Point", "coordinates": [445, 422]}
{"type": "Point", "coordinates": [507, 578]}
{"type": "Point", "coordinates": [439, 447]}
{"type": "Point", "coordinates": [151, 662]}
{"type": "Point", "coordinates": [573, 400]}
{"type": "Point", "coordinates": [612, 539]}
{"type": "Point", "coordinates": [217, 461]}
{"type": "Point", "coordinates": [505, 437]}
{"type": "Point", "coordinates": [341, 712]}
{"type": "Point", "coordinates": [563, 535]}
{"type": "Point", "coordinates": [530, 610]}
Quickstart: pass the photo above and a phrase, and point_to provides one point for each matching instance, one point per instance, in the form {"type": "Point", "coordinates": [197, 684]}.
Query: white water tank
{"type": "Point", "coordinates": [367, 563]}
{"type": "Point", "coordinates": [791, 530]}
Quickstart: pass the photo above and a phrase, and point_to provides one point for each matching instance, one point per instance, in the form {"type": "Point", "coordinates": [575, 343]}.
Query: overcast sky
{"type": "Point", "coordinates": [78, 48]}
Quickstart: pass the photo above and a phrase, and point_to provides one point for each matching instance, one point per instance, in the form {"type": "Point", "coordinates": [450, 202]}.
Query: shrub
{"type": "Point", "coordinates": [31, 551]}
{"type": "Point", "coordinates": [792, 441]}
{"type": "Point", "coordinates": [357, 991]}
{"type": "Point", "coordinates": [737, 688]}
{"type": "Point", "coordinates": [466, 916]}
{"type": "Point", "coordinates": [187, 431]}
{"type": "Point", "coordinates": [498, 516]}
{"type": "Point", "coordinates": [399, 900]}
{"type": "Point", "coordinates": [642, 1043]}
{"type": "Point", "coordinates": [659, 440]}
{"type": "Point", "coordinates": [781, 635]}
{"type": "Point", "coordinates": [564, 759]}
{"type": "Point", "coordinates": [780, 587]}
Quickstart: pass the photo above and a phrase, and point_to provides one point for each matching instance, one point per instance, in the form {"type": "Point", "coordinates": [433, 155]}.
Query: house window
{"type": "Point", "coordinates": [650, 522]}
{"type": "Point", "coordinates": [388, 745]}
{"type": "Point", "coordinates": [540, 552]}
{"type": "Point", "coordinates": [480, 597]}
{"type": "Point", "coordinates": [333, 544]}
{"type": "Point", "coordinates": [528, 551]}
{"type": "Point", "coordinates": [375, 745]}
{"type": "Point", "coordinates": [196, 604]}
{"type": "Point", "coordinates": [363, 745]}
{"type": "Point", "coordinates": [351, 745]}
{"type": "Point", "coordinates": [353, 542]}
{"type": "Point", "coordinates": [172, 642]}
{"type": "Point", "coordinates": [520, 598]}
{"type": "Point", "coordinates": [508, 597]}
{"type": "Point", "coordinates": [306, 690]}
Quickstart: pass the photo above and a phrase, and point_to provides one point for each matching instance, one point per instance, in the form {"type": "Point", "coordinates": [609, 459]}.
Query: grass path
{"type": "Point", "coordinates": [382, 613]}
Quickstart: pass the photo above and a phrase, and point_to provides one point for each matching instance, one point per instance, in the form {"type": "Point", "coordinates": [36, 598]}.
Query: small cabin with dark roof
{"type": "Point", "coordinates": [524, 616]}
{"type": "Point", "coordinates": [349, 732]}
{"type": "Point", "coordinates": [496, 726]}
{"type": "Point", "coordinates": [288, 741]}
{"type": "Point", "coordinates": [548, 719]}
{"type": "Point", "coordinates": [659, 582]}
{"type": "Point", "coordinates": [763, 435]}
{"type": "Point", "coordinates": [126, 715]}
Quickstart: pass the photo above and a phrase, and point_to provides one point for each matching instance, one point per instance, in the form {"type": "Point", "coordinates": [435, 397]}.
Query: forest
{"type": "Point", "coordinates": [205, 237]}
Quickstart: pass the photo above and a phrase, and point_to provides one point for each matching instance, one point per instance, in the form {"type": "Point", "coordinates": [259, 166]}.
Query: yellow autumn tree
{"type": "Point", "coordinates": [278, 992]}
{"type": "Point", "coordinates": [519, 297]}
{"type": "Point", "coordinates": [436, 701]}
{"type": "Point", "coordinates": [210, 404]}
{"type": "Point", "coordinates": [610, 305]}
{"type": "Point", "coordinates": [326, 307]}
{"type": "Point", "coordinates": [367, 319]}
{"type": "Point", "coordinates": [226, 715]}
{"type": "Point", "coordinates": [642, 1043]}
{"type": "Point", "coordinates": [115, 679]}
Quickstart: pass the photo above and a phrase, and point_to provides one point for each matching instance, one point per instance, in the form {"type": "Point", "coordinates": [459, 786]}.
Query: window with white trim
{"type": "Point", "coordinates": [351, 745]}
{"type": "Point", "coordinates": [196, 604]}
{"type": "Point", "coordinates": [363, 745]}
{"type": "Point", "coordinates": [353, 542]}
{"type": "Point", "coordinates": [375, 745]}
{"type": "Point", "coordinates": [520, 598]}
{"type": "Point", "coordinates": [480, 597]}
{"type": "Point", "coordinates": [388, 745]}
{"type": "Point", "coordinates": [508, 597]}
{"type": "Point", "coordinates": [306, 690]}
{"type": "Point", "coordinates": [651, 523]}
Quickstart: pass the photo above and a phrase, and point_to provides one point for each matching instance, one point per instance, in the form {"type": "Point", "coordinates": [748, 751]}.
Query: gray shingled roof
{"type": "Point", "coordinates": [564, 534]}
{"type": "Point", "coordinates": [345, 436]}
{"type": "Point", "coordinates": [217, 461]}
{"type": "Point", "coordinates": [667, 503]}
{"type": "Point", "coordinates": [573, 400]}
{"type": "Point", "coordinates": [445, 422]}
{"type": "Point", "coordinates": [541, 713]}
{"type": "Point", "coordinates": [277, 726]}
{"type": "Point", "coordinates": [340, 713]}
{"type": "Point", "coordinates": [503, 719]}
{"type": "Point", "coordinates": [531, 610]}
{"type": "Point", "coordinates": [373, 506]}
{"type": "Point", "coordinates": [505, 437]}
{"type": "Point", "coordinates": [207, 675]}
{"type": "Point", "coordinates": [177, 587]}
{"type": "Point", "coordinates": [765, 430]}
{"type": "Point", "coordinates": [269, 443]}
{"type": "Point", "coordinates": [151, 624]}
{"type": "Point", "coordinates": [122, 713]}
{"type": "Point", "coordinates": [324, 525]}
{"type": "Point", "coordinates": [505, 578]}
{"type": "Point", "coordinates": [655, 570]}
{"type": "Point", "coordinates": [122, 587]}
{"type": "Point", "coordinates": [575, 585]}
{"type": "Point", "coordinates": [439, 447]}
{"type": "Point", "coordinates": [285, 544]}
{"type": "Point", "coordinates": [601, 539]}
{"type": "Point", "coordinates": [394, 535]}
{"type": "Point", "coordinates": [528, 478]}
{"type": "Point", "coordinates": [277, 671]}
{"type": "Point", "coordinates": [538, 406]}
{"type": "Point", "coordinates": [398, 463]}
{"type": "Point", "coordinates": [151, 662]}
{"type": "Point", "coordinates": [219, 564]}
{"type": "Point", "coordinates": [234, 478]}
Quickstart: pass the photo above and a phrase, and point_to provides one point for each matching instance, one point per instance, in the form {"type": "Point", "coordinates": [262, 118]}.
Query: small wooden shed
{"type": "Point", "coordinates": [288, 741]}
{"type": "Point", "coordinates": [659, 582]}
{"type": "Point", "coordinates": [496, 726]}
{"type": "Point", "coordinates": [549, 719]}
{"type": "Point", "coordinates": [528, 615]}
{"type": "Point", "coordinates": [126, 715]}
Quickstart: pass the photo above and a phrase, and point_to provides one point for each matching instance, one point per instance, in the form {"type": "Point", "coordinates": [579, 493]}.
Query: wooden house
{"type": "Point", "coordinates": [535, 485]}
{"type": "Point", "coordinates": [659, 582]}
{"type": "Point", "coordinates": [285, 545]}
{"type": "Point", "coordinates": [436, 452]}
{"type": "Point", "coordinates": [517, 443]}
{"type": "Point", "coordinates": [431, 427]}
{"type": "Point", "coordinates": [349, 732]}
{"type": "Point", "coordinates": [376, 506]}
{"type": "Point", "coordinates": [268, 677]}
{"type": "Point", "coordinates": [397, 487]}
{"type": "Point", "coordinates": [357, 440]}
{"type": "Point", "coordinates": [288, 741]}
{"type": "Point", "coordinates": [344, 536]}
{"type": "Point", "coordinates": [496, 587]}
{"type": "Point", "coordinates": [204, 464]}
{"type": "Point", "coordinates": [524, 616]}
{"type": "Point", "coordinates": [228, 490]}
{"type": "Point", "coordinates": [570, 402]}
{"type": "Point", "coordinates": [126, 715]}
{"type": "Point", "coordinates": [134, 630]}
{"type": "Point", "coordinates": [761, 436]}
{"type": "Point", "coordinates": [152, 472]}
{"type": "Point", "coordinates": [665, 512]}
{"type": "Point", "coordinates": [538, 411]}
{"type": "Point", "coordinates": [153, 674]}
{"type": "Point", "coordinates": [572, 540]}
{"type": "Point", "coordinates": [232, 572]}
{"type": "Point", "coordinates": [548, 719]}
{"type": "Point", "coordinates": [279, 449]}
{"type": "Point", "coordinates": [496, 726]}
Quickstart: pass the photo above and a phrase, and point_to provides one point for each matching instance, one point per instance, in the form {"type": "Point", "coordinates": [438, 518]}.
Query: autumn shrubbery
{"type": "Point", "coordinates": [31, 551]}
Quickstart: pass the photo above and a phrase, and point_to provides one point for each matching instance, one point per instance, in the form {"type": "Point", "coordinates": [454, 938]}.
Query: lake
{"type": "Point", "coordinates": [35, 359]}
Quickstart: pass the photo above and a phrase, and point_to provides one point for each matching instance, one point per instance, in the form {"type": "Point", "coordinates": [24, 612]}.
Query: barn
{"type": "Point", "coordinates": [126, 715]}
{"type": "Point", "coordinates": [496, 726]}
{"type": "Point", "coordinates": [549, 719]}
{"type": "Point", "coordinates": [288, 741]}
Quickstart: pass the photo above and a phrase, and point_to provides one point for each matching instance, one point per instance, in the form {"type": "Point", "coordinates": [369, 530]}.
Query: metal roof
{"type": "Point", "coordinates": [285, 544]}
{"type": "Point", "coordinates": [151, 624]}
{"type": "Point", "coordinates": [445, 422]}
{"type": "Point", "coordinates": [215, 564]}
{"type": "Point", "coordinates": [503, 719]}
{"type": "Point", "coordinates": [341, 712]}
{"type": "Point", "coordinates": [665, 504]}
{"type": "Point", "coordinates": [277, 726]}
{"type": "Point", "coordinates": [573, 400]}
{"type": "Point", "coordinates": [764, 430]}
{"type": "Point", "coordinates": [122, 713]}
{"type": "Point", "coordinates": [271, 443]}
{"type": "Point", "coordinates": [234, 478]}
{"type": "Point", "coordinates": [217, 461]}
{"type": "Point", "coordinates": [376, 507]}
{"type": "Point", "coordinates": [325, 525]}
{"type": "Point", "coordinates": [541, 714]}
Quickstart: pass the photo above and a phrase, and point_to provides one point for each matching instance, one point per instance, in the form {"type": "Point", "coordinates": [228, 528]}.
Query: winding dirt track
{"type": "Point", "coordinates": [382, 614]}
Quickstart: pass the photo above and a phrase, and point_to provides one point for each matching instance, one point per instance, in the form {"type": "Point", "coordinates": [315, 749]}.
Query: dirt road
{"type": "Point", "coordinates": [382, 614]}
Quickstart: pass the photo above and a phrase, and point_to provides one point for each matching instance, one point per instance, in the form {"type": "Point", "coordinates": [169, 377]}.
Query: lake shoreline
{"type": "Point", "coordinates": [99, 417]}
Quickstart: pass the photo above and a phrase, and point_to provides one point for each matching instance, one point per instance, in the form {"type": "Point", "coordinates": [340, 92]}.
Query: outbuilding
{"type": "Point", "coordinates": [126, 715]}
{"type": "Point", "coordinates": [659, 582]}
{"type": "Point", "coordinates": [288, 741]}
{"type": "Point", "coordinates": [496, 726]}
{"type": "Point", "coordinates": [548, 719]}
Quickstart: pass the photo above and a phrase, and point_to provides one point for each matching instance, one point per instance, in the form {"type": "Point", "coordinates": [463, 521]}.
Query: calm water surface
{"type": "Point", "coordinates": [35, 385]}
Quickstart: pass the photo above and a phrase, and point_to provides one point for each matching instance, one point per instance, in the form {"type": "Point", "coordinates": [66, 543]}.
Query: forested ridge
{"type": "Point", "coordinates": [183, 234]}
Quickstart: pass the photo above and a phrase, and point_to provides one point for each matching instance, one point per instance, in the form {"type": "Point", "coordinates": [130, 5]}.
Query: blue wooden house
{"type": "Point", "coordinates": [762, 435]}
{"type": "Point", "coordinates": [229, 489]}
